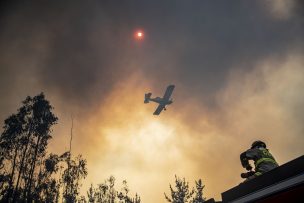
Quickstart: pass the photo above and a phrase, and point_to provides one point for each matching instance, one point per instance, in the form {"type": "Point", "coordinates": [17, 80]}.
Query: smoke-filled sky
{"type": "Point", "coordinates": [238, 68]}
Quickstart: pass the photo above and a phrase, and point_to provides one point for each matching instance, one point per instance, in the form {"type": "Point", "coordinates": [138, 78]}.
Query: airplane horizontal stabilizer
{"type": "Point", "coordinates": [147, 97]}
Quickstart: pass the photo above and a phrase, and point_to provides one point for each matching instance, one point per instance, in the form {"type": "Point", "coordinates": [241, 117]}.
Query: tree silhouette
{"type": "Point", "coordinates": [27, 173]}
{"type": "Point", "coordinates": [182, 193]}
{"type": "Point", "coordinates": [48, 186]}
{"type": "Point", "coordinates": [198, 192]}
{"type": "Point", "coordinates": [71, 177]}
{"type": "Point", "coordinates": [23, 144]}
{"type": "Point", "coordinates": [106, 193]}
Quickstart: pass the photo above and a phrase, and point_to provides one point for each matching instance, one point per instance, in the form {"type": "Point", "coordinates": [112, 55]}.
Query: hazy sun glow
{"type": "Point", "coordinates": [139, 35]}
{"type": "Point", "coordinates": [132, 143]}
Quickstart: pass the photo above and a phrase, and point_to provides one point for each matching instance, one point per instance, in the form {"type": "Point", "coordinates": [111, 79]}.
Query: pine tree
{"type": "Point", "coordinates": [181, 193]}
{"type": "Point", "coordinates": [198, 192]}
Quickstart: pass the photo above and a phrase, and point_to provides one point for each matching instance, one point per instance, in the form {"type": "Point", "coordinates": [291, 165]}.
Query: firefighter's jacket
{"type": "Point", "coordinates": [263, 160]}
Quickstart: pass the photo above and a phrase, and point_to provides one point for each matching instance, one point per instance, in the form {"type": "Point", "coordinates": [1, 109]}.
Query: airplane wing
{"type": "Point", "coordinates": [159, 109]}
{"type": "Point", "coordinates": [168, 92]}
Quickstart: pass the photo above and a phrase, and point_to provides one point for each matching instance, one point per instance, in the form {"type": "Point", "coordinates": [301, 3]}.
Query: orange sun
{"type": "Point", "coordinates": [139, 35]}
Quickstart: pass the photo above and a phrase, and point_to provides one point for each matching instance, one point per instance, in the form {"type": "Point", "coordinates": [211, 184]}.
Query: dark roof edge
{"type": "Point", "coordinates": [275, 188]}
{"type": "Point", "coordinates": [281, 173]}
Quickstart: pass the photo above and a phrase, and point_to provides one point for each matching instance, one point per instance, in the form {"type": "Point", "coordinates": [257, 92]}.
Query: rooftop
{"type": "Point", "coordinates": [282, 184]}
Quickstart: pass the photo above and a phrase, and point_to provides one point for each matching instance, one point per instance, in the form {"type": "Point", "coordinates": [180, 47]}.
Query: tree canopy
{"type": "Point", "coordinates": [181, 193]}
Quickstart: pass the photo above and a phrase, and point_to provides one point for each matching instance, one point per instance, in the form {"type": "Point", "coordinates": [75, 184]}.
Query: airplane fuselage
{"type": "Point", "coordinates": [161, 101]}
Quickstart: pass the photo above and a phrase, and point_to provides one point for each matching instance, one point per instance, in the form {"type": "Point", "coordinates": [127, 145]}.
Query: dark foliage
{"type": "Point", "coordinates": [106, 193]}
{"type": "Point", "coordinates": [27, 173]}
{"type": "Point", "coordinates": [182, 193]}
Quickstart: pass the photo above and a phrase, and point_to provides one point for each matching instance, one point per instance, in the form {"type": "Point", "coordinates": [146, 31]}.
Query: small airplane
{"type": "Point", "coordinates": [161, 101]}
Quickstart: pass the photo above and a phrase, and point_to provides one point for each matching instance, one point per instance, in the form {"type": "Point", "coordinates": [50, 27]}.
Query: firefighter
{"type": "Point", "coordinates": [263, 160]}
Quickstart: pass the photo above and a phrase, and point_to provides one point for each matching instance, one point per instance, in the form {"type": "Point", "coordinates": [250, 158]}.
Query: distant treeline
{"type": "Point", "coordinates": [29, 174]}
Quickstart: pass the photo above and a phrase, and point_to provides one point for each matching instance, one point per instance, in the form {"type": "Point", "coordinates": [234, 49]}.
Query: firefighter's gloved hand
{"type": "Point", "coordinates": [248, 168]}
{"type": "Point", "coordinates": [247, 175]}
{"type": "Point", "coordinates": [244, 175]}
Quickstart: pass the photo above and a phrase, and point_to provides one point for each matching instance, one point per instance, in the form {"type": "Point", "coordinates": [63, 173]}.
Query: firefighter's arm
{"type": "Point", "coordinates": [245, 161]}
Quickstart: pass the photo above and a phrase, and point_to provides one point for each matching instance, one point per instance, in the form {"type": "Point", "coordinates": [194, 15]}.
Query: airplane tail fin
{"type": "Point", "coordinates": [147, 97]}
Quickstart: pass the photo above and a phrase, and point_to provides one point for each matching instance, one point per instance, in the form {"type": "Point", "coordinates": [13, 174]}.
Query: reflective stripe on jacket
{"type": "Point", "coordinates": [263, 160]}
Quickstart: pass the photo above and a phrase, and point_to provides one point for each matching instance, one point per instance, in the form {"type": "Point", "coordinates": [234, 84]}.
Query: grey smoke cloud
{"type": "Point", "coordinates": [84, 46]}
